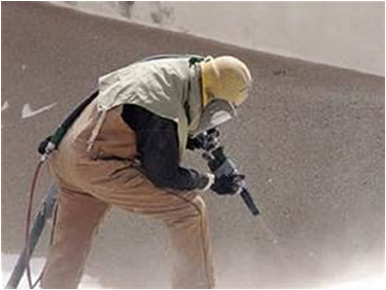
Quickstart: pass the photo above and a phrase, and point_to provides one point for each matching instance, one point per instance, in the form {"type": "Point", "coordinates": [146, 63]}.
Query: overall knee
{"type": "Point", "coordinates": [199, 204]}
{"type": "Point", "coordinates": [193, 211]}
{"type": "Point", "coordinates": [196, 209]}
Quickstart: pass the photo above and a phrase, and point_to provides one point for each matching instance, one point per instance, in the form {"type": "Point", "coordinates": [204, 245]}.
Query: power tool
{"type": "Point", "coordinates": [220, 164]}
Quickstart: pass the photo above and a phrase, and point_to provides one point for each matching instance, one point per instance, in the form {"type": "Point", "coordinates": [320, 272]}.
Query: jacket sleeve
{"type": "Point", "coordinates": [158, 148]}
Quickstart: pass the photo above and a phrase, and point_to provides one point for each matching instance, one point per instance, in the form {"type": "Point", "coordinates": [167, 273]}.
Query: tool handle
{"type": "Point", "coordinates": [249, 202]}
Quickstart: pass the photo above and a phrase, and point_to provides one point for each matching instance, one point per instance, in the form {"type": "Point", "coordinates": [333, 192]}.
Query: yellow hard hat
{"type": "Point", "coordinates": [226, 78]}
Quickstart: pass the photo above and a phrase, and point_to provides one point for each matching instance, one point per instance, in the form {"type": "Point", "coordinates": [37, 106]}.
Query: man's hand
{"type": "Point", "coordinates": [227, 184]}
{"type": "Point", "coordinates": [193, 144]}
{"type": "Point", "coordinates": [208, 140]}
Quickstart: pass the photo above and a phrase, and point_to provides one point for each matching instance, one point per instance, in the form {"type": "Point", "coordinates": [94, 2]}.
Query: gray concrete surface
{"type": "Point", "coordinates": [344, 34]}
{"type": "Point", "coordinates": [310, 140]}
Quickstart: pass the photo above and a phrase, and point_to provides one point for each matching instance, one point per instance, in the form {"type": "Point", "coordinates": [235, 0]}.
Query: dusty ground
{"type": "Point", "coordinates": [310, 140]}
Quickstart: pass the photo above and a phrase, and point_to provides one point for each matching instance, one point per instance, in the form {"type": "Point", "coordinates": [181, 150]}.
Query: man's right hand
{"type": "Point", "coordinates": [227, 184]}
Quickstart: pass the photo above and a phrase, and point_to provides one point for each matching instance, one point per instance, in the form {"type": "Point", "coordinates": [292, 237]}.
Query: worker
{"type": "Point", "coordinates": [125, 149]}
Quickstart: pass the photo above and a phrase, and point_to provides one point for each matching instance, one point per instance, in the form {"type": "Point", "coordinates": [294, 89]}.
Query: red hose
{"type": "Point", "coordinates": [28, 221]}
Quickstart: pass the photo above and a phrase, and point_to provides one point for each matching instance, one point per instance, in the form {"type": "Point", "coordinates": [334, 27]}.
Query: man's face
{"type": "Point", "coordinates": [215, 113]}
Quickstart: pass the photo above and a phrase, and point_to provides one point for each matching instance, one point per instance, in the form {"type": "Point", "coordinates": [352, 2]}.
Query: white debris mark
{"type": "Point", "coordinates": [5, 106]}
{"type": "Point", "coordinates": [363, 283]}
{"type": "Point", "coordinates": [27, 111]}
{"type": "Point", "coordinates": [23, 67]}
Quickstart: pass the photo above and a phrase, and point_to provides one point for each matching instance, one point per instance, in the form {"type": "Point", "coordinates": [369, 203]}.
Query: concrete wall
{"type": "Point", "coordinates": [310, 141]}
{"type": "Point", "coordinates": [344, 34]}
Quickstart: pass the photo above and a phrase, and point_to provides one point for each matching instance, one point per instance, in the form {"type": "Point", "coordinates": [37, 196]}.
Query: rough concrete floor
{"type": "Point", "coordinates": [310, 141]}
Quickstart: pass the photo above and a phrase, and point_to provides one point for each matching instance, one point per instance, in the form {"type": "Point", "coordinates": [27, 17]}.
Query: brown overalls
{"type": "Point", "coordinates": [91, 182]}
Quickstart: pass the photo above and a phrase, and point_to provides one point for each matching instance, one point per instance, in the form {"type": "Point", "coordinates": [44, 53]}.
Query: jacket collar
{"type": "Point", "coordinates": [193, 104]}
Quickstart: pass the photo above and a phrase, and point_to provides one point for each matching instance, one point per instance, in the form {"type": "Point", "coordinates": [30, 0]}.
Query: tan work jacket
{"type": "Point", "coordinates": [170, 88]}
